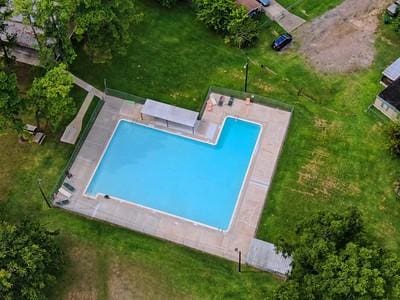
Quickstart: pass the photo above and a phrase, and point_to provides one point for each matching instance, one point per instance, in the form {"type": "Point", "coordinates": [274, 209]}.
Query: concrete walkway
{"type": "Point", "coordinates": [165, 226]}
{"type": "Point", "coordinates": [262, 255]}
{"type": "Point", "coordinates": [74, 128]}
{"type": "Point", "coordinates": [283, 17]}
{"type": "Point", "coordinates": [87, 87]}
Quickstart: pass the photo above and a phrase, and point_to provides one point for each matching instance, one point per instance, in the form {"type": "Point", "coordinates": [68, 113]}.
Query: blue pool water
{"type": "Point", "coordinates": [173, 174]}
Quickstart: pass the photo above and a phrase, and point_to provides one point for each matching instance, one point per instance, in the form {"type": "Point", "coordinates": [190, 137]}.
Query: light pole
{"type": "Point", "coordinates": [246, 67]}
{"type": "Point", "coordinates": [39, 181]}
{"type": "Point", "coordinates": [240, 260]}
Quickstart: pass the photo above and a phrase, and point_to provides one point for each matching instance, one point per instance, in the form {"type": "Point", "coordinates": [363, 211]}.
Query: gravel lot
{"type": "Point", "coordinates": [342, 40]}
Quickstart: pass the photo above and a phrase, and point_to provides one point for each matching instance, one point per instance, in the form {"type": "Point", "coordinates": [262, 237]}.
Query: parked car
{"type": "Point", "coordinates": [264, 3]}
{"type": "Point", "coordinates": [281, 41]}
{"type": "Point", "coordinates": [393, 9]}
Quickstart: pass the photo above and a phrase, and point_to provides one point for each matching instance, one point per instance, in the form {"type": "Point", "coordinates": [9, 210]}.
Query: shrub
{"type": "Point", "coordinates": [394, 139]}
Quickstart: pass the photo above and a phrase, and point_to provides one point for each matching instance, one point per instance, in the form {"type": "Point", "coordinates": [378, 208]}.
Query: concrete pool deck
{"type": "Point", "coordinates": [250, 205]}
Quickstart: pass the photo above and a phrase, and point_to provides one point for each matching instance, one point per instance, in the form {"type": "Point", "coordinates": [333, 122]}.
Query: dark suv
{"type": "Point", "coordinates": [281, 41]}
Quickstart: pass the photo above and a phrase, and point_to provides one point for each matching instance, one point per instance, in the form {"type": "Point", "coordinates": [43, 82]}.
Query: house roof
{"type": "Point", "coordinates": [393, 71]}
{"type": "Point", "coordinates": [391, 94]}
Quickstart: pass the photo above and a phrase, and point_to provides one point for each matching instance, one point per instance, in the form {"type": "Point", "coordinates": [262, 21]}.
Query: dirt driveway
{"type": "Point", "coordinates": [342, 40]}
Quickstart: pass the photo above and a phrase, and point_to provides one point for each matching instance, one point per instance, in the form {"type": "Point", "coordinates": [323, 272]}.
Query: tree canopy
{"type": "Point", "coordinates": [242, 30]}
{"type": "Point", "coordinates": [105, 26]}
{"type": "Point", "coordinates": [230, 19]}
{"type": "Point", "coordinates": [7, 42]}
{"type": "Point", "coordinates": [10, 103]}
{"type": "Point", "coordinates": [29, 260]}
{"type": "Point", "coordinates": [50, 96]}
{"type": "Point", "coordinates": [333, 258]}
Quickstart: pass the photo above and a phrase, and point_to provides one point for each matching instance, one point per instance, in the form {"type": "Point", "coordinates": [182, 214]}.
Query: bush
{"type": "Point", "coordinates": [394, 139]}
{"type": "Point", "coordinates": [29, 260]}
{"type": "Point", "coordinates": [229, 19]}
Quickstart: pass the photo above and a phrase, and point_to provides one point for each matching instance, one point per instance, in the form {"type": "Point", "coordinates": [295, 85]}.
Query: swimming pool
{"type": "Point", "coordinates": [184, 177]}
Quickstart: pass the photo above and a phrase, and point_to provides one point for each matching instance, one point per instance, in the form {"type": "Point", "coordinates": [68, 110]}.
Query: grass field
{"type": "Point", "coordinates": [309, 9]}
{"type": "Point", "coordinates": [334, 157]}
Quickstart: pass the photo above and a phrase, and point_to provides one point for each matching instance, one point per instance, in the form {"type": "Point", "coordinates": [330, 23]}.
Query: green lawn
{"type": "Point", "coordinates": [334, 156]}
{"type": "Point", "coordinates": [309, 9]}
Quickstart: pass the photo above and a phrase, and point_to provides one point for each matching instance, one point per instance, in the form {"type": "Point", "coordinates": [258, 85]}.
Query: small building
{"type": "Point", "coordinates": [388, 101]}
{"type": "Point", "coordinates": [391, 73]}
{"type": "Point", "coordinates": [393, 10]}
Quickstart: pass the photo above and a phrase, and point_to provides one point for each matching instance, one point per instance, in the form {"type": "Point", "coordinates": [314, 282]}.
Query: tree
{"type": "Point", "coordinates": [105, 27]}
{"type": "Point", "coordinates": [54, 20]}
{"type": "Point", "coordinates": [8, 40]}
{"type": "Point", "coordinates": [26, 8]}
{"type": "Point", "coordinates": [29, 260]}
{"type": "Point", "coordinates": [394, 139]}
{"type": "Point", "coordinates": [333, 258]}
{"type": "Point", "coordinates": [229, 19]}
{"type": "Point", "coordinates": [242, 30]}
{"type": "Point", "coordinates": [50, 96]}
{"type": "Point", "coordinates": [10, 104]}
{"type": "Point", "coordinates": [215, 14]}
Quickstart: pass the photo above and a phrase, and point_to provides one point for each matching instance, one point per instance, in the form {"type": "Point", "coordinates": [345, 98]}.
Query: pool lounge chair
{"type": "Point", "coordinates": [69, 187]}
{"type": "Point", "coordinates": [221, 101]}
{"type": "Point", "coordinates": [64, 192]}
{"type": "Point", "coordinates": [62, 202]}
{"type": "Point", "coordinates": [231, 99]}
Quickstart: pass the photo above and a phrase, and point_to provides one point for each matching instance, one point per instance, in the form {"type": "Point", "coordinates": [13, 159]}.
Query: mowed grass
{"type": "Point", "coordinates": [309, 9]}
{"type": "Point", "coordinates": [103, 261]}
{"type": "Point", "coordinates": [334, 156]}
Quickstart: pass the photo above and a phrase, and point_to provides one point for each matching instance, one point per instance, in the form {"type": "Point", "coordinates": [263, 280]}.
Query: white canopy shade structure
{"type": "Point", "coordinates": [170, 113]}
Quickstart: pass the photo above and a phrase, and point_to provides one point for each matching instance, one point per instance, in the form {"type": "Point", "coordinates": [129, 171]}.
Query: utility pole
{"type": "Point", "coordinates": [39, 181]}
{"type": "Point", "coordinates": [246, 67]}
{"type": "Point", "coordinates": [239, 260]}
